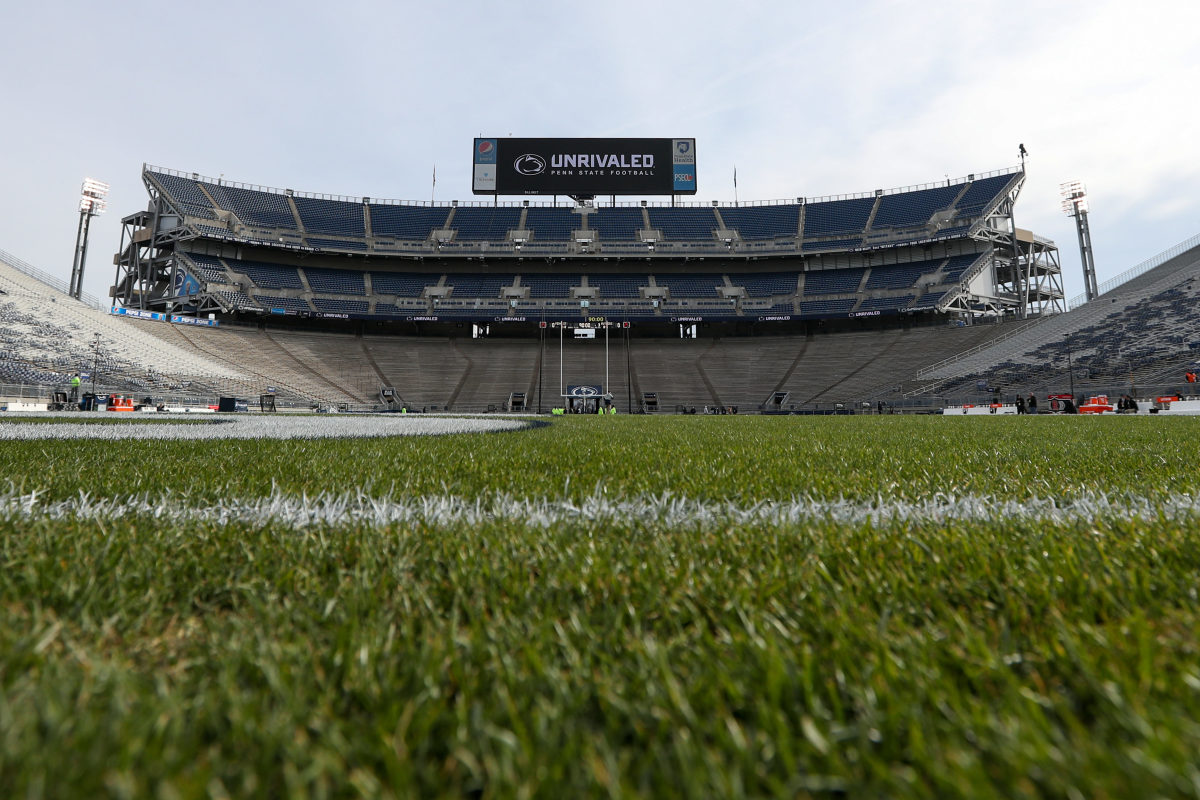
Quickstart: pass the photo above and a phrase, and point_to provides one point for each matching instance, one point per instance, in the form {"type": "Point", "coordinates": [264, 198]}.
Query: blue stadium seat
{"type": "Point", "coordinates": [909, 209]}
{"type": "Point", "coordinates": [833, 281]}
{"type": "Point", "coordinates": [766, 284]}
{"type": "Point", "coordinates": [981, 193]}
{"type": "Point", "coordinates": [619, 285]}
{"type": "Point", "coordinates": [548, 286]}
{"type": "Point", "coordinates": [826, 308]}
{"type": "Point", "coordinates": [268, 276]}
{"type": "Point", "coordinates": [886, 303]}
{"type": "Point", "coordinates": [835, 217]}
{"type": "Point", "coordinates": [185, 194]}
{"type": "Point", "coordinates": [899, 276]}
{"type": "Point", "coordinates": [551, 223]}
{"type": "Point", "coordinates": [253, 207]}
{"type": "Point", "coordinates": [208, 268]}
{"type": "Point", "coordinates": [763, 222]}
{"type": "Point", "coordinates": [401, 284]}
{"type": "Point", "coordinates": [485, 223]}
{"type": "Point", "coordinates": [332, 217]}
{"type": "Point", "coordinates": [696, 224]}
{"type": "Point", "coordinates": [358, 307]}
{"type": "Point", "coordinates": [414, 223]}
{"type": "Point", "coordinates": [488, 286]}
{"type": "Point", "coordinates": [690, 285]}
{"type": "Point", "coordinates": [335, 281]}
{"type": "Point", "coordinates": [617, 224]}
{"type": "Point", "coordinates": [272, 302]}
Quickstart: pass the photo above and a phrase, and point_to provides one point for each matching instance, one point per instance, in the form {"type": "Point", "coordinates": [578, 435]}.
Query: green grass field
{"type": "Point", "coordinates": [620, 607]}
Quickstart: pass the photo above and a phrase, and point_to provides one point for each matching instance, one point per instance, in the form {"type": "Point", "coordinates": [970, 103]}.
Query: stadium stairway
{"type": "Point", "coordinates": [425, 372]}
{"type": "Point", "coordinates": [671, 368]}
{"type": "Point", "coordinates": [494, 368]}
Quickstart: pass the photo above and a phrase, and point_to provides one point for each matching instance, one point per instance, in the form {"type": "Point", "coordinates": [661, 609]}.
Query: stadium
{"type": "Point", "coordinates": [346, 543]}
{"type": "Point", "coordinates": [916, 298]}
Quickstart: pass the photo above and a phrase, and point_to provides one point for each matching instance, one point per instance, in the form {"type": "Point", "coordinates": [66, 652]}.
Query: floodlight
{"type": "Point", "coordinates": [1074, 198]}
{"type": "Point", "coordinates": [1075, 204]}
{"type": "Point", "coordinates": [91, 203]}
{"type": "Point", "coordinates": [91, 196]}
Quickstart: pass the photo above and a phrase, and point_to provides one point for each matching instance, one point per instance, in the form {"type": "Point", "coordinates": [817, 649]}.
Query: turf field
{"type": "Point", "coordinates": [620, 606]}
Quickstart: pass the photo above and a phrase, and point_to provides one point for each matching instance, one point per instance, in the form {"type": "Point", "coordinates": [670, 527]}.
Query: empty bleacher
{"type": "Point", "coordinates": [700, 286]}
{"type": "Point", "coordinates": [1129, 331]}
{"type": "Point", "coordinates": [907, 209]}
{"type": "Point", "coordinates": [477, 285]}
{"type": "Point", "coordinates": [548, 286]}
{"type": "Point", "coordinates": [766, 284]}
{"type": "Point", "coordinates": [333, 217]}
{"type": "Point", "coordinates": [550, 223]}
{"type": "Point", "coordinates": [407, 221]}
{"type": "Point", "coordinates": [684, 223]}
{"type": "Point", "coordinates": [401, 284]}
{"type": "Point", "coordinates": [336, 281]}
{"type": "Point", "coordinates": [617, 223]}
{"type": "Point", "coordinates": [268, 276]}
{"type": "Point", "coordinates": [836, 217]}
{"type": "Point", "coordinates": [834, 281]}
{"type": "Point", "coordinates": [982, 193]}
{"type": "Point", "coordinates": [424, 371]}
{"type": "Point", "coordinates": [619, 285]}
{"type": "Point", "coordinates": [899, 276]}
{"type": "Point", "coordinates": [188, 196]}
{"type": "Point", "coordinates": [253, 207]}
{"type": "Point", "coordinates": [763, 222]}
{"type": "Point", "coordinates": [342, 224]}
{"type": "Point", "coordinates": [490, 223]}
{"type": "Point", "coordinates": [826, 308]}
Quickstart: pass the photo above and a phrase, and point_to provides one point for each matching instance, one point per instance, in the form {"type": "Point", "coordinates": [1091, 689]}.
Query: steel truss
{"type": "Point", "coordinates": [1026, 274]}
{"type": "Point", "coordinates": [149, 275]}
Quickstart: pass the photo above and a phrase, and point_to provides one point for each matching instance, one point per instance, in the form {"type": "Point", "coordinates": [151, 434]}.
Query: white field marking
{"type": "Point", "coordinates": [666, 511]}
{"type": "Point", "coordinates": [285, 426]}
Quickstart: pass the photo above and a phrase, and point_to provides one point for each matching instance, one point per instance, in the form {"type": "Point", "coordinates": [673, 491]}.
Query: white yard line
{"type": "Point", "coordinates": [332, 426]}
{"type": "Point", "coordinates": [664, 511]}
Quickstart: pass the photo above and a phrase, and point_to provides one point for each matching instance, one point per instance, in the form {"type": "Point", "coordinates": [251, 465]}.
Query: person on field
{"type": "Point", "coordinates": [1020, 404]}
{"type": "Point", "coordinates": [1031, 404]}
{"type": "Point", "coordinates": [75, 388]}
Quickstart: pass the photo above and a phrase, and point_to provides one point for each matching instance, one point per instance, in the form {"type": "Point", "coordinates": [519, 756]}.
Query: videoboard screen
{"type": "Point", "coordinates": [584, 166]}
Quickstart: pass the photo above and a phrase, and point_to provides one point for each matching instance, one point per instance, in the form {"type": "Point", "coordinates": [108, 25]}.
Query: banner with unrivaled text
{"type": "Point", "coordinates": [584, 167]}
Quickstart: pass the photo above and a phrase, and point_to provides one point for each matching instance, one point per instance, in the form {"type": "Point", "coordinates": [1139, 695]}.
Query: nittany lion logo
{"type": "Point", "coordinates": [530, 164]}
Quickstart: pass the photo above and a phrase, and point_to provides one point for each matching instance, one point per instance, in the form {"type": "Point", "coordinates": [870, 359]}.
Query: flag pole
{"type": "Point", "coordinates": [433, 188]}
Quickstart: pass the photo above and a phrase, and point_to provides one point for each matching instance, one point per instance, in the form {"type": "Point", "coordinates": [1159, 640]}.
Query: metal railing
{"type": "Point", "coordinates": [923, 372]}
{"type": "Point", "coordinates": [57, 284]}
{"type": "Point", "coordinates": [1140, 269]}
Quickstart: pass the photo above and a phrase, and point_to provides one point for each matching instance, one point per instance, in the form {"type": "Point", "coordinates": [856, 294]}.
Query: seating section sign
{"type": "Point", "coordinates": [584, 167]}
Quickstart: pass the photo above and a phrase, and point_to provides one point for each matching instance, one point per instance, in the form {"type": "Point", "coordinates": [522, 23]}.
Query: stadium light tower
{"type": "Point", "coordinates": [91, 204]}
{"type": "Point", "coordinates": [1075, 204]}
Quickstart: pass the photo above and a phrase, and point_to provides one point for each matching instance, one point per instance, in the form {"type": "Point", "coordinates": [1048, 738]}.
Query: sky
{"type": "Point", "coordinates": [801, 98]}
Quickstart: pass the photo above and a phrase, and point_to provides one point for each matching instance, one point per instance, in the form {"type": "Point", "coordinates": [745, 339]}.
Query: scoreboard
{"type": "Point", "coordinates": [584, 167]}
